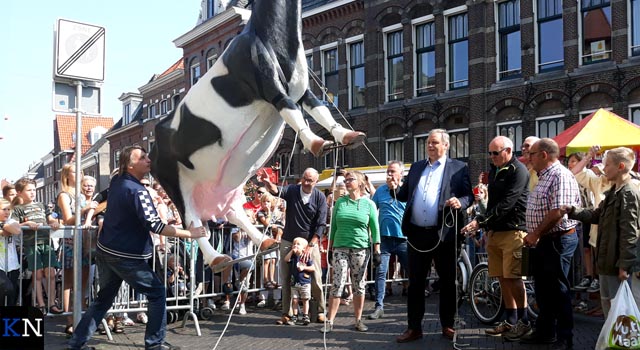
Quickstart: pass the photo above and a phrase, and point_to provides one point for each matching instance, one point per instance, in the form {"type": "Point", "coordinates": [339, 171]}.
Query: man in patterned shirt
{"type": "Point", "coordinates": [555, 239]}
{"type": "Point", "coordinates": [125, 245]}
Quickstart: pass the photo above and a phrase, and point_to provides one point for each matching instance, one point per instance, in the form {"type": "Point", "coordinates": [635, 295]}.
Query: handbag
{"type": "Point", "coordinates": [528, 261]}
{"type": "Point", "coordinates": [621, 330]}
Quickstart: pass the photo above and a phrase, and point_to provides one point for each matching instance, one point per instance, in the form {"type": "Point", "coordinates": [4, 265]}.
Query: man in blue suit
{"type": "Point", "coordinates": [437, 191]}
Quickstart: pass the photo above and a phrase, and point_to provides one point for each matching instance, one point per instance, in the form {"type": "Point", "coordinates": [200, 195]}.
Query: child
{"type": "Point", "coordinates": [300, 279]}
{"type": "Point", "coordinates": [176, 277]}
{"type": "Point", "coordinates": [41, 257]}
{"type": "Point", "coordinates": [272, 219]}
{"type": "Point", "coordinates": [10, 272]}
{"type": "Point", "coordinates": [618, 227]}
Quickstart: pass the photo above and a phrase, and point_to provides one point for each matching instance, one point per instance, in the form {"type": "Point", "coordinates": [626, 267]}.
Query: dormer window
{"type": "Point", "coordinates": [96, 134]}
{"type": "Point", "coordinates": [126, 113]}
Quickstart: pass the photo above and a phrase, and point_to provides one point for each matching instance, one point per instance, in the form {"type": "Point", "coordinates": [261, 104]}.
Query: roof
{"type": "Point", "coordinates": [179, 65]}
{"type": "Point", "coordinates": [65, 128]}
{"type": "Point", "coordinates": [311, 4]}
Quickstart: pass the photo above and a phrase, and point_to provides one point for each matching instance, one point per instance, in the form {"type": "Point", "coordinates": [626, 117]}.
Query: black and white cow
{"type": "Point", "coordinates": [232, 120]}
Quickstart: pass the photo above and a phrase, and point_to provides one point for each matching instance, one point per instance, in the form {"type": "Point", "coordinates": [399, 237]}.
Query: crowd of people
{"type": "Point", "coordinates": [583, 215]}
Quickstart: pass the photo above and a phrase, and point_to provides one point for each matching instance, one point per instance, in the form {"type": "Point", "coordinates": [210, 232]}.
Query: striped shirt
{"type": "Point", "coordinates": [556, 187]}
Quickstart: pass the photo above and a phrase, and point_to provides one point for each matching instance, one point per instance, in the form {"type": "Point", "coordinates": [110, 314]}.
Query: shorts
{"type": "Point", "coordinates": [504, 249]}
{"type": "Point", "coordinates": [272, 255]}
{"type": "Point", "coordinates": [40, 256]}
{"type": "Point", "coordinates": [301, 291]}
{"type": "Point", "coordinates": [67, 255]}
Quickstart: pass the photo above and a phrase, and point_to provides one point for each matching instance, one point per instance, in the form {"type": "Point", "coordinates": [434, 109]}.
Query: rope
{"type": "Point", "coordinates": [245, 282]}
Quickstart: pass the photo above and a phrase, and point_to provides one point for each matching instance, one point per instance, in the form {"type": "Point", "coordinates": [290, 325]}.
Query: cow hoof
{"type": "Point", "coordinates": [268, 243]}
{"type": "Point", "coordinates": [221, 263]}
{"type": "Point", "coordinates": [320, 147]}
{"type": "Point", "coordinates": [353, 139]}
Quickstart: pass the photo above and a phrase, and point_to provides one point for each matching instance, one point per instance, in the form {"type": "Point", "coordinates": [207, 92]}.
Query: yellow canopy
{"type": "Point", "coordinates": [602, 128]}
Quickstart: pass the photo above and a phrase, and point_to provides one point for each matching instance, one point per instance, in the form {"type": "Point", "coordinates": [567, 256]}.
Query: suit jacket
{"type": "Point", "coordinates": [455, 183]}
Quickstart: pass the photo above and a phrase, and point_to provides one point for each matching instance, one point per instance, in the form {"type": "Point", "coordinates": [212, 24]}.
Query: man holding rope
{"type": "Point", "coordinates": [437, 191]}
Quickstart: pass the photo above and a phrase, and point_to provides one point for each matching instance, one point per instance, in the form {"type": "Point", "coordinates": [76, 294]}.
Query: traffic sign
{"type": "Point", "coordinates": [79, 51]}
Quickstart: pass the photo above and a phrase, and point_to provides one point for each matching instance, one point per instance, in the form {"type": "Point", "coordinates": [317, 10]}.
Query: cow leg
{"type": "Point", "coordinates": [322, 115]}
{"type": "Point", "coordinates": [238, 217]}
{"type": "Point", "coordinates": [293, 116]}
{"type": "Point", "coordinates": [210, 256]}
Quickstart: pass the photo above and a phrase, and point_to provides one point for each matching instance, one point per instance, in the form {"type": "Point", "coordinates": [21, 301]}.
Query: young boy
{"type": "Point", "coordinates": [300, 279]}
{"type": "Point", "coordinates": [41, 258]}
{"type": "Point", "coordinates": [618, 228]}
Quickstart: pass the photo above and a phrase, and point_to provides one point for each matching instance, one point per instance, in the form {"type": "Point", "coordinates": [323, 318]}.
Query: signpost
{"type": "Point", "coordinates": [78, 60]}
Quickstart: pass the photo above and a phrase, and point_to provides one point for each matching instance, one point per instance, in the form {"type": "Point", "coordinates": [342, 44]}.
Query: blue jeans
{"type": "Point", "coordinates": [138, 274]}
{"type": "Point", "coordinates": [553, 291]}
{"type": "Point", "coordinates": [389, 245]}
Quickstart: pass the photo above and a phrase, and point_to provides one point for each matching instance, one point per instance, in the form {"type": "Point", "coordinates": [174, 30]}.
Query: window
{"type": "Point", "coordinates": [395, 149]}
{"type": "Point", "coordinates": [634, 26]}
{"type": "Point", "coordinates": [329, 158]}
{"type": "Point", "coordinates": [509, 63]}
{"type": "Point", "coordinates": [458, 46]}
{"type": "Point", "coordinates": [330, 73]}
{"type": "Point", "coordinates": [549, 126]}
{"type": "Point", "coordinates": [459, 144]}
{"type": "Point", "coordinates": [211, 59]}
{"type": "Point", "coordinates": [211, 8]}
{"type": "Point", "coordinates": [586, 113]}
{"type": "Point", "coordinates": [550, 38]}
{"type": "Point", "coordinates": [116, 159]}
{"type": "Point", "coordinates": [126, 113]}
{"type": "Point", "coordinates": [175, 100]}
{"type": "Point", "coordinates": [596, 31]}
{"type": "Point", "coordinates": [425, 58]}
{"type": "Point", "coordinates": [283, 159]}
{"type": "Point", "coordinates": [421, 147]}
{"type": "Point", "coordinates": [309, 57]}
{"type": "Point", "coordinates": [151, 111]}
{"type": "Point", "coordinates": [195, 71]}
{"type": "Point", "coordinates": [356, 74]}
{"type": "Point", "coordinates": [634, 114]}
{"type": "Point", "coordinates": [395, 66]}
{"type": "Point", "coordinates": [512, 130]}
{"type": "Point", "coordinates": [164, 107]}
{"type": "Point", "coordinates": [96, 133]}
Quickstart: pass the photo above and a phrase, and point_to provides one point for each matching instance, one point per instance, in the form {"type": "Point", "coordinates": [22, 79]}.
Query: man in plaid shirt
{"type": "Point", "coordinates": [555, 237]}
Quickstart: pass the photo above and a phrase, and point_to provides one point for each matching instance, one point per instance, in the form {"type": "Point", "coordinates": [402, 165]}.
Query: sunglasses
{"type": "Point", "coordinates": [495, 153]}
{"type": "Point", "coordinates": [261, 192]}
{"type": "Point", "coordinates": [349, 180]}
{"type": "Point", "coordinates": [147, 185]}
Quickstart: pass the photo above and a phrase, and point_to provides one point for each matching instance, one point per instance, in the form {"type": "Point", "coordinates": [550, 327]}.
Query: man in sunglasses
{"type": "Point", "coordinates": [505, 222]}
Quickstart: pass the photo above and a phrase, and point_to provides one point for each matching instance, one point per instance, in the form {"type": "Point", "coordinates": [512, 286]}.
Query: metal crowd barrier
{"type": "Point", "coordinates": [186, 297]}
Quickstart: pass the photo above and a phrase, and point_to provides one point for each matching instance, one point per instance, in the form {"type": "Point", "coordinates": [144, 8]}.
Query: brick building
{"type": "Point", "coordinates": [397, 69]}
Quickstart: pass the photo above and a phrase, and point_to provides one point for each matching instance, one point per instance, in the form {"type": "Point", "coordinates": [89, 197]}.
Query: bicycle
{"type": "Point", "coordinates": [486, 296]}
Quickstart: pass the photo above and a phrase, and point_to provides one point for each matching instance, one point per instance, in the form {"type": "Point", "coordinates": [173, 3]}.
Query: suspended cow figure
{"type": "Point", "coordinates": [232, 120]}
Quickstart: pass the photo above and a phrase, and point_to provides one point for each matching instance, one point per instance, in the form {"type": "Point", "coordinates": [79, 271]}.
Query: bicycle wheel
{"type": "Point", "coordinates": [485, 295]}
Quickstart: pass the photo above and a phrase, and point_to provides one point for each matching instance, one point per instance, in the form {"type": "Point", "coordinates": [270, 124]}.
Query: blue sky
{"type": "Point", "coordinates": [139, 43]}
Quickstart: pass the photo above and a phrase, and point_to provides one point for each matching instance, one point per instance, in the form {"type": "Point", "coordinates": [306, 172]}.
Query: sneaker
{"type": "Point", "coordinates": [515, 333]}
{"type": "Point", "coordinates": [166, 346]}
{"type": "Point", "coordinates": [594, 287]}
{"type": "Point", "coordinates": [584, 284]}
{"type": "Point", "coordinates": [361, 327]}
{"type": "Point", "coordinates": [242, 310]}
{"type": "Point", "coordinates": [262, 303]}
{"type": "Point", "coordinates": [502, 327]}
{"type": "Point", "coordinates": [328, 327]}
{"type": "Point", "coordinates": [581, 307]}
{"type": "Point", "coordinates": [142, 317]}
{"type": "Point", "coordinates": [377, 313]}
{"type": "Point", "coordinates": [283, 320]}
{"type": "Point", "coordinates": [127, 321]}
{"type": "Point", "coordinates": [306, 320]}
{"type": "Point", "coordinates": [225, 306]}
{"type": "Point", "coordinates": [293, 320]}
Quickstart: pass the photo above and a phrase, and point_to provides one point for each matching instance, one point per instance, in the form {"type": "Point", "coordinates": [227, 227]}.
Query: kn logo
{"type": "Point", "coordinates": [21, 327]}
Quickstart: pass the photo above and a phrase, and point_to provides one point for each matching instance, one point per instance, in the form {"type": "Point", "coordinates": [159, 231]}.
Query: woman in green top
{"type": "Point", "coordinates": [354, 228]}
